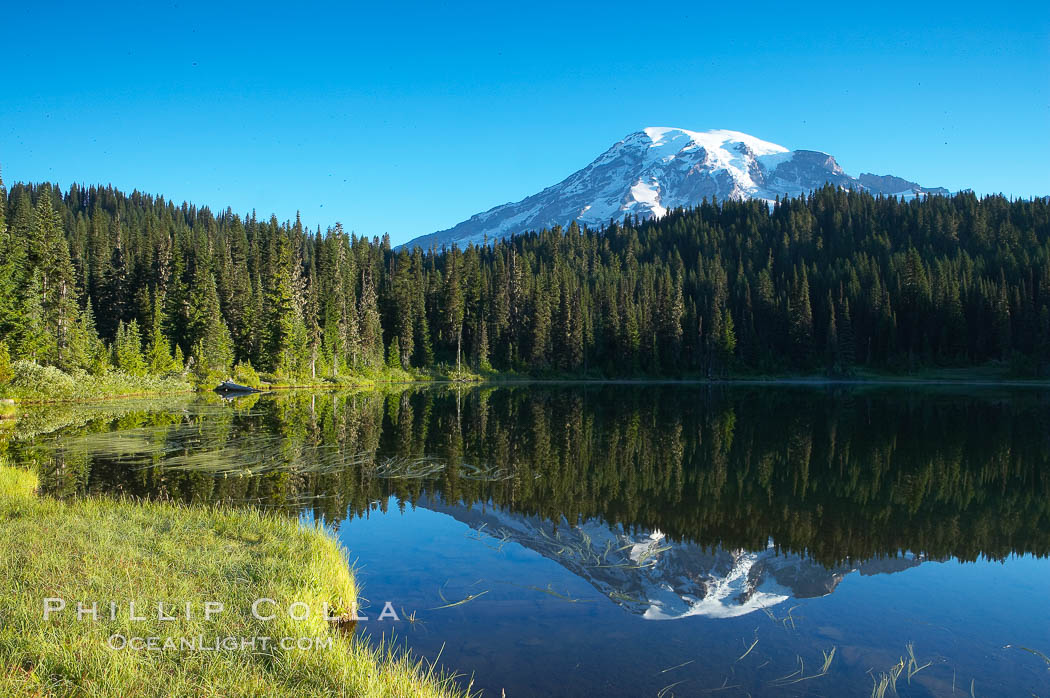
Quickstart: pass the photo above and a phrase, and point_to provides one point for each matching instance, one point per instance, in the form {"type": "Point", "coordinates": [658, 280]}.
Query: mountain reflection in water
{"type": "Point", "coordinates": [776, 526]}
{"type": "Point", "coordinates": [658, 579]}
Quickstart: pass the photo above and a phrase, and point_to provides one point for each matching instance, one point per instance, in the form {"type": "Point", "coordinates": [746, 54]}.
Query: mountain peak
{"type": "Point", "coordinates": [660, 168]}
{"type": "Point", "coordinates": [717, 138]}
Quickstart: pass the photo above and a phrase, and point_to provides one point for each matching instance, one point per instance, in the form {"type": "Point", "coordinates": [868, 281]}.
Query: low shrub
{"type": "Point", "coordinates": [32, 382]}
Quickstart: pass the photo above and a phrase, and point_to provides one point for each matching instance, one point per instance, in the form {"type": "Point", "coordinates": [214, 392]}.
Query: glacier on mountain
{"type": "Point", "coordinates": [658, 169]}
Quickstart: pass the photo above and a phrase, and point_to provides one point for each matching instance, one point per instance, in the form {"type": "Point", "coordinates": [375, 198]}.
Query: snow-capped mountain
{"type": "Point", "coordinates": [658, 169]}
{"type": "Point", "coordinates": [655, 578]}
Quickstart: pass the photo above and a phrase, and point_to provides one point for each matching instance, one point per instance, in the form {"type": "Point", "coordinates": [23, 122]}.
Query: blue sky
{"type": "Point", "coordinates": [409, 118]}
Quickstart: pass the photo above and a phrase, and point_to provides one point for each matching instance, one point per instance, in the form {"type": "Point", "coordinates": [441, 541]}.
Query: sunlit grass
{"type": "Point", "coordinates": [95, 550]}
{"type": "Point", "coordinates": [8, 409]}
{"type": "Point", "coordinates": [16, 483]}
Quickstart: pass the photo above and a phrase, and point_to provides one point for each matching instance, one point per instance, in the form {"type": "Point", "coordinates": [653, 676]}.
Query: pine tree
{"type": "Point", "coordinates": [57, 283]}
{"type": "Point", "coordinates": [1001, 321]}
{"type": "Point", "coordinates": [832, 356]}
{"type": "Point", "coordinates": [86, 350]}
{"type": "Point", "coordinates": [12, 274]}
{"type": "Point", "coordinates": [311, 315]}
{"type": "Point", "coordinates": [211, 340]}
{"type": "Point", "coordinates": [424, 350]}
{"type": "Point", "coordinates": [34, 340]}
{"type": "Point", "coordinates": [282, 324]}
{"type": "Point", "coordinates": [483, 363]}
{"type": "Point", "coordinates": [158, 350]}
{"type": "Point", "coordinates": [404, 322]}
{"type": "Point", "coordinates": [5, 363]}
{"type": "Point", "coordinates": [371, 327]}
{"type": "Point", "coordinates": [541, 328]}
{"type": "Point", "coordinates": [727, 340]}
{"type": "Point", "coordinates": [236, 290]}
{"type": "Point", "coordinates": [847, 342]}
{"type": "Point", "coordinates": [393, 354]}
{"type": "Point", "coordinates": [800, 318]}
{"type": "Point", "coordinates": [454, 304]}
{"type": "Point", "coordinates": [127, 349]}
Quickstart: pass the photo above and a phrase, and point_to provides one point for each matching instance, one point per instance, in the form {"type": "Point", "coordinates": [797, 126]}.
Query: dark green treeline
{"type": "Point", "coordinates": [92, 278]}
{"type": "Point", "coordinates": [832, 474]}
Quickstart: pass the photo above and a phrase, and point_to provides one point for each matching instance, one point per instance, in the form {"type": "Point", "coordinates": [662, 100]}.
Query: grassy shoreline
{"type": "Point", "coordinates": [102, 550]}
{"type": "Point", "coordinates": [33, 384]}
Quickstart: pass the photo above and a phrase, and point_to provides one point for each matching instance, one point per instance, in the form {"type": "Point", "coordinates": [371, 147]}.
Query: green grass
{"type": "Point", "coordinates": [101, 550]}
{"type": "Point", "coordinates": [16, 483]}
{"type": "Point", "coordinates": [7, 409]}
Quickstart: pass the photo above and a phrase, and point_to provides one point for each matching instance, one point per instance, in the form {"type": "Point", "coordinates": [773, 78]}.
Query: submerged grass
{"type": "Point", "coordinates": [913, 666]}
{"type": "Point", "coordinates": [887, 680]}
{"type": "Point", "coordinates": [452, 604]}
{"type": "Point", "coordinates": [1037, 653]}
{"type": "Point", "coordinates": [101, 551]}
{"type": "Point", "coordinates": [753, 644]}
{"type": "Point", "coordinates": [801, 673]}
{"type": "Point", "coordinates": [787, 620]}
{"type": "Point", "coordinates": [885, 683]}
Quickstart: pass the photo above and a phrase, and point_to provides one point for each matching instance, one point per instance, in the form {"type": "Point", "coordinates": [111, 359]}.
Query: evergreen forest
{"type": "Point", "coordinates": [94, 280]}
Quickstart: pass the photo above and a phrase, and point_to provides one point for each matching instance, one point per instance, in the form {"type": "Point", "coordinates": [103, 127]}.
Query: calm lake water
{"type": "Point", "coordinates": [631, 540]}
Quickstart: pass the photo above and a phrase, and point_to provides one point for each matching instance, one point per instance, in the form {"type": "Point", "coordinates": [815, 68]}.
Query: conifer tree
{"type": "Point", "coordinates": [847, 346]}
{"type": "Point", "coordinates": [34, 340]}
{"type": "Point", "coordinates": [371, 328]}
{"type": "Point", "coordinates": [158, 351]}
{"type": "Point", "coordinates": [127, 349]}
{"type": "Point", "coordinates": [12, 274]}
{"type": "Point", "coordinates": [57, 289]}
{"type": "Point", "coordinates": [393, 354]}
{"type": "Point", "coordinates": [727, 344]}
{"type": "Point", "coordinates": [281, 321]}
{"type": "Point", "coordinates": [86, 350]}
{"type": "Point", "coordinates": [5, 363]}
{"type": "Point", "coordinates": [541, 328]}
{"type": "Point", "coordinates": [212, 344]}
{"type": "Point", "coordinates": [404, 307]}
{"type": "Point", "coordinates": [832, 357]}
{"type": "Point", "coordinates": [453, 303]}
{"type": "Point", "coordinates": [800, 319]}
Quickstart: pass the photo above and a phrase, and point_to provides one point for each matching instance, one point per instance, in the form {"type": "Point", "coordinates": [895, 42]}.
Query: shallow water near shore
{"type": "Point", "coordinates": [638, 539]}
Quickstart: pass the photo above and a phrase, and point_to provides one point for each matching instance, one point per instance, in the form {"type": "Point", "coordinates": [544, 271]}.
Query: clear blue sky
{"type": "Point", "coordinates": [409, 118]}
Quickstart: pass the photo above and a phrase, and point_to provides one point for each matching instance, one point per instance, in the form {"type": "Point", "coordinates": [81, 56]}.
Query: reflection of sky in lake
{"type": "Point", "coordinates": [535, 628]}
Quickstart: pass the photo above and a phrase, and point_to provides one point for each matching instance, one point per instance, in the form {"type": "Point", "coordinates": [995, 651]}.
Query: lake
{"type": "Point", "coordinates": [630, 540]}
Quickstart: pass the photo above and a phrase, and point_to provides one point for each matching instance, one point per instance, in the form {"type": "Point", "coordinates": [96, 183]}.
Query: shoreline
{"type": "Point", "coordinates": [499, 382]}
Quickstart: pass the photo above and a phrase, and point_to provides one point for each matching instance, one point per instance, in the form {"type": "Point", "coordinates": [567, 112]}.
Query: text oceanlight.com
{"type": "Point", "coordinates": [200, 643]}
